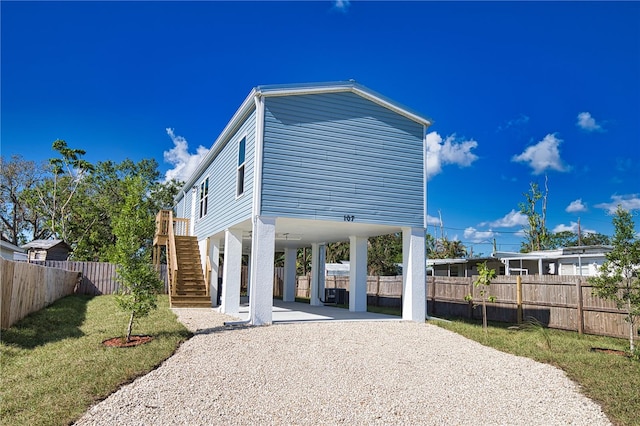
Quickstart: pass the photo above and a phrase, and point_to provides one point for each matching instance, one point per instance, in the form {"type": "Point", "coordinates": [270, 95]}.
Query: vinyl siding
{"type": "Point", "coordinates": [330, 155]}
{"type": "Point", "coordinates": [224, 209]}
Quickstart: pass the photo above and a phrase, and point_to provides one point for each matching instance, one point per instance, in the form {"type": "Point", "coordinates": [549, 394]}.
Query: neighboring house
{"type": "Point", "coordinates": [38, 250]}
{"type": "Point", "coordinates": [461, 267]}
{"type": "Point", "coordinates": [582, 260]}
{"type": "Point", "coordinates": [579, 260]}
{"type": "Point", "coordinates": [11, 251]}
{"type": "Point", "coordinates": [305, 165]}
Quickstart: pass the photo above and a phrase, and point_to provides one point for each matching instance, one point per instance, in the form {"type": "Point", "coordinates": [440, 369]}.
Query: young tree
{"type": "Point", "coordinates": [618, 278]}
{"type": "Point", "coordinates": [485, 275]}
{"type": "Point", "coordinates": [537, 235]}
{"type": "Point", "coordinates": [140, 283]}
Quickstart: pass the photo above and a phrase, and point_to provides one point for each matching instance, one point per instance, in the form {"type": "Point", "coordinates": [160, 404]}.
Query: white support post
{"type": "Point", "coordinates": [317, 274]}
{"type": "Point", "coordinates": [289, 285]}
{"type": "Point", "coordinates": [232, 272]}
{"type": "Point", "coordinates": [214, 257]}
{"type": "Point", "coordinates": [358, 274]}
{"type": "Point", "coordinates": [414, 304]}
{"type": "Point", "coordinates": [263, 255]}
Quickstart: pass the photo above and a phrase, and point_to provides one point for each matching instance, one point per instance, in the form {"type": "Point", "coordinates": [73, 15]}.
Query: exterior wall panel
{"type": "Point", "coordinates": [224, 208]}
{"type": "Point", "coordinates": [330, 155]}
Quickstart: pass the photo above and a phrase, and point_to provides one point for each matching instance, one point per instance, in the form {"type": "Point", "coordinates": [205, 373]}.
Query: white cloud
{"type": "Point", "coordinates": [588, 123]}
{"type": "Point", "coordinates": [475, 236]}
{"type": "Point", "coordinates": [441, 153]}
{"type": "Point", "coordinates": [521, 120]}
{"type": "Point", "coordinates": [543, 156]}
{"type": "Point", "coordinates": [572, 227]}
{"type": "Point", "coordinates": [341, 5]}
{"type": "Point", "coordinates": [184, 163]}
{"type": "Point", "coordinates": [576, 206]}
{"type": "Point", "coordinates": [628, 202]}
{"type": "Point", "coordinates": [510, 220]}
{"type": "Point", "coordinates": [433, 220]}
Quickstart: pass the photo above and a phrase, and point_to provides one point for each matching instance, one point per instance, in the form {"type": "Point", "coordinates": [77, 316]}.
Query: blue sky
{"type": "Point", "coordinates": [517, 90]}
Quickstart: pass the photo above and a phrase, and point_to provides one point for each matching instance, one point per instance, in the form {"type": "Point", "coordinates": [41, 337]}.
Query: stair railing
{"type": "Point", "coordinates": [172, 266]}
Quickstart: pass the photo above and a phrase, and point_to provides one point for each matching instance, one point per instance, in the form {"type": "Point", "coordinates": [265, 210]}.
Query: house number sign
{"type": "Point", "coordinates": [349, 218]}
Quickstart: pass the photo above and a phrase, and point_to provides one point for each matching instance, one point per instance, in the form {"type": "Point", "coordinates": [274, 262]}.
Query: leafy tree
{"type": "Point", "coordinates": [103, 198]}
{"type": "Point", "coordinates": [384, 254]}
{"type": "Point", "coordinates": [337, 252]}
{"type": "Point", "coordinates": [485, 275]}
{"type": "Point", "coordinates": [17, 177]}
{"type": "Point", "coordinates": [140, 283]}
{"type": "Point", "coordinates": [444, 248]}
{"type": "Point", "coordinates": [537, 235]}
{"type": "Point", "coordinates": [571, 239]}
{"type": "Point", "coordinates": [618, 278]}
{"type": "Point", "coordinates": [52, 197]}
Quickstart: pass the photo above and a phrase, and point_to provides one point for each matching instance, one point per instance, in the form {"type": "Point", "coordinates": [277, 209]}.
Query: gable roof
{"type": "Point", "coordinates": [45, 244]}
{"type": "Point", "coordinates": [296, 89]}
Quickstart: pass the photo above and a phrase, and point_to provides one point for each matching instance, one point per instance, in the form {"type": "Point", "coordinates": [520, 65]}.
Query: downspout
{"type": "Point", "coordinates": [257, 191]}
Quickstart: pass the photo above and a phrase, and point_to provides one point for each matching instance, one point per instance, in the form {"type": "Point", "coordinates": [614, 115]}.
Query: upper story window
{"type": "Point", "coordinates": [241, 161]}
{"type": "Point", "coordinates": [204, 197]}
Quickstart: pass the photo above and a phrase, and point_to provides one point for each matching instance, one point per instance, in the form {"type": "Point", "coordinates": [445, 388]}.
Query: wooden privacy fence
{"type": "Point", "coordinates": [563, 302]}
{"type": "Point", "coordinates": [27, 288]}
{"type": "Point", "coordinates": [98, 277]}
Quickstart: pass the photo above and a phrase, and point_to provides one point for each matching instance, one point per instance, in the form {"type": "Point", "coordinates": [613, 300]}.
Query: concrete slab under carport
{"type": "Point", "coordinates": [290, 312]}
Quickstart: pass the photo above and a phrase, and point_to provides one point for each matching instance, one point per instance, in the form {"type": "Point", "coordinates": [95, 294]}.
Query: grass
{"type": "Point", "coordinates": [613, 381]}
{"type": "Point", "coordinates": [54, 366]}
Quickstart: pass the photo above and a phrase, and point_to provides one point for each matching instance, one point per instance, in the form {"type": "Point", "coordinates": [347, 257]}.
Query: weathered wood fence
{"type": "Point", "coordinates": [97, 277]}
{"type": "Point", "coordinates": [27, 288]}
{"type": "Point", "coordinates": [563, 302]}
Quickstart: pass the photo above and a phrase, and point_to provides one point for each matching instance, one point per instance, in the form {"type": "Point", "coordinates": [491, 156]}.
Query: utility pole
{"type": "Point", "coordinates": [579, 233]}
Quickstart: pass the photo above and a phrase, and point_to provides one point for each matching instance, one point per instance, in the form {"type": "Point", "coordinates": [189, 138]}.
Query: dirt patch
{"type": "Point", "coordinates": [610, 351]}
{"type": "Point", "coordinates": [121, 342]}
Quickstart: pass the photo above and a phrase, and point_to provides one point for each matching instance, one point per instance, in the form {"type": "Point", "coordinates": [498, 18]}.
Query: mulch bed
{"type": "Point", "coordinates": [121, 342]}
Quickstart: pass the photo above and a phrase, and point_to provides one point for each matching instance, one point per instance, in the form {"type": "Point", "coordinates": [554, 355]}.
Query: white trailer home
{"type": "Point", "coordinates": [304, 165]}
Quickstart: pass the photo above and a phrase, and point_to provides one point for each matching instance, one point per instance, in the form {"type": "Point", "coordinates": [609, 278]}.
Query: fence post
{"type": "Point", "coordinates": [580, 313]}
{"type": "Point", "coordinates": [433, 295]}
{"type": "Point", "coordinates": [470, 307]}
{"type": "Point", "coordinates": [519, 298]}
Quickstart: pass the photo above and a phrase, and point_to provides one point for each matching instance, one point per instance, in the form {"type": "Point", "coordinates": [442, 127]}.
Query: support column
{"type": "Point", "coordinates": [232, 271]}
{"type": "Point", "coordinates": [317, 273]}
{"type": "Point", "coordinates": [358, 274]}
{"type": "Point", "coordinates": [214, 258]}
{"type": "Point", "coordinates": [414, 305]}
{"type": "Point", "coordinates": [289, 285]}
{"type": "Point", "coordinates": [262, 258]}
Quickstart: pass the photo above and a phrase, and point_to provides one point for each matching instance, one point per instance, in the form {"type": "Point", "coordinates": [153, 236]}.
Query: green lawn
{"type": "Point", "coordinates": [613, 381]}
{"type": "Point", "coordinates": [54, 366]}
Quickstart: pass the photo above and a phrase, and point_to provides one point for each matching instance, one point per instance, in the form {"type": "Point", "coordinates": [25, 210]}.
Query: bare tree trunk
{"type": "Point", "coordinates": [631, 336]}
{"type": "Point", "coordinates": [484, 315]}
{"type": "Point", "coordinates": [130, 326]}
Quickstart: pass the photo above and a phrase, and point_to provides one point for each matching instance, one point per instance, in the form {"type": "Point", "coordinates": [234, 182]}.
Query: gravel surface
{"type": "Point", "coordinates": [342, 373]}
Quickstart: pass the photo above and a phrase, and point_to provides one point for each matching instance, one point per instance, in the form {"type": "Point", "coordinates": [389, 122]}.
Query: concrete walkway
{"type": "Point", "coordinates": [290, 312]}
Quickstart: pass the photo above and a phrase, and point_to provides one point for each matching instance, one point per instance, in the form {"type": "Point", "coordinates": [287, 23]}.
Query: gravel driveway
{"type": "Point", "coordinates": [342, 373]}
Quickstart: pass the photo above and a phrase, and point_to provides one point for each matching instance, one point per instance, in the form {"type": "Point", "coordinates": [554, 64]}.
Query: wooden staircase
{"type": "Point", "coordinates": [190, 288]}
{"type": "Point", "coordinates": [187, 282]}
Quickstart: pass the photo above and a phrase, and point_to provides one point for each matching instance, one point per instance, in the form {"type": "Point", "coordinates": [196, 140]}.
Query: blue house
{"type": "Point", "coordinates": [303, 165]}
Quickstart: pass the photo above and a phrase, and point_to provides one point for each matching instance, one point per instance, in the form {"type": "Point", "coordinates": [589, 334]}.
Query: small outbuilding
{"type": "Point", "coordinates": [40, 250]}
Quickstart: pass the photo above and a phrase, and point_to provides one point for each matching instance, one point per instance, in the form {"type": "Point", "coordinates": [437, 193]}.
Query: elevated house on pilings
{"type": "Point", "coordinates": [304, 165]}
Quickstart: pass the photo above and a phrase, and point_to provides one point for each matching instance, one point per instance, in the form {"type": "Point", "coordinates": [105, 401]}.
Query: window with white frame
{"type": "Point", "coordinates": [204, 197]}
{"type": "Point", "coordinates": [241, 161]}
